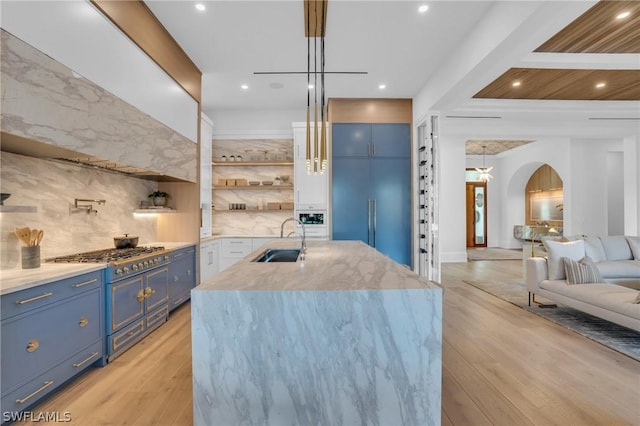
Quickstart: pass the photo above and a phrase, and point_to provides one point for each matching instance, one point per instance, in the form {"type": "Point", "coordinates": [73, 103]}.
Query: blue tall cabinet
{"type": "Point", "coordinates": [371, 191]}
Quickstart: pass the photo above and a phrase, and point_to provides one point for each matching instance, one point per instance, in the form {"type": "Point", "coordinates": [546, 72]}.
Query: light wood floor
{"type": "Point", "coordinates": [501, 366]}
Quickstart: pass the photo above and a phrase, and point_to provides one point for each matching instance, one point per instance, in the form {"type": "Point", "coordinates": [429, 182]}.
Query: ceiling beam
{"type": "Point", "coordinates": [315, 17]}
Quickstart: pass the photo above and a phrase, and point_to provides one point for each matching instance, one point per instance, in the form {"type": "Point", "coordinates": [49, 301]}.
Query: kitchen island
{"type": "Point", "coordinates": [345, 336]}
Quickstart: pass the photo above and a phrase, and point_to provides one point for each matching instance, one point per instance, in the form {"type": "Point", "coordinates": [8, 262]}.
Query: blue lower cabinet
{"type": "Point", "coordinates": [135, 307]}
{"type": "Point", "coordinates": [50, 334]}
{"type": "Point", "coordinates": [182, 276]}
{"type": "Point", "coordinates": [33, 391]}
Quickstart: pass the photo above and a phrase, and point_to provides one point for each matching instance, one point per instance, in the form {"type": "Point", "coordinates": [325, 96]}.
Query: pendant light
{"type": "Point", "coordinates": [308, 146]}
{"type": "Point", "coordinates": [484, 171]}
{"type": "Point", "coordinates": [316, 155]}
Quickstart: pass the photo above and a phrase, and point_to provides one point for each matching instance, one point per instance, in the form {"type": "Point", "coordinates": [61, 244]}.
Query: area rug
{"type": "Point", "coordinates": [493, 253]}
{"type": "Point", "coordinates": [614, 336]}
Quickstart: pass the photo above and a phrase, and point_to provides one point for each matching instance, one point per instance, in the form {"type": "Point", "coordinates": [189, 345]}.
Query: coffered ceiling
{"type": "Point", "coordinates": [491, 147]}
{"type": "Point", "coordinates": [609, 27]}
{"type": "Point", "coordinates": [602, 29]}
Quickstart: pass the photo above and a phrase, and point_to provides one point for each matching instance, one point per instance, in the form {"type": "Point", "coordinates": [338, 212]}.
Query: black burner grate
{"type": "Point", "coordinates": [106, 256]}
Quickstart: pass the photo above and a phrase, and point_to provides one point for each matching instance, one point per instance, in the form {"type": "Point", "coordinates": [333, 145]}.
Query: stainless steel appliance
{"type": "Point", "coordinates": [137, 292]}
{"type": "Point", "coordinates": [315, 222]}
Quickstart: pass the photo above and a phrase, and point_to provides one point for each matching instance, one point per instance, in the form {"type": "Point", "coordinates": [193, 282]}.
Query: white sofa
{"type": "Point", "coordinates": [617, 258]}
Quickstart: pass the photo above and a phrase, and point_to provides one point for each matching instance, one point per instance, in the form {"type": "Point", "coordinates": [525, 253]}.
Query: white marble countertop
{"type": "Point", "coordinates": [221, 236]}
{"type": "Point", "coordinates": [16, 279]}
{"type": "Point", "coordinates": [329, 265]}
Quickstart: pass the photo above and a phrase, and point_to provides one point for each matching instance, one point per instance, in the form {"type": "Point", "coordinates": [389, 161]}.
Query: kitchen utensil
{"type": "Point", "coordinates": [3, 196]}
{"type": "Point", "coordinates": [40, 236]}
{"type": "Point", "coordinates": [23, 234]}
{"type": "Point", "coordinates": [34, 237]}
{"type": "Point", "coordinates": [125, 242]}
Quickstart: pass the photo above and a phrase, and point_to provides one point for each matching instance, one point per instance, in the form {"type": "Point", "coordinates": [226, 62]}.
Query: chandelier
{"type": "Point", "coordinates": [485, 176]}
{"type": "Point", "coordinates": [316, 158]}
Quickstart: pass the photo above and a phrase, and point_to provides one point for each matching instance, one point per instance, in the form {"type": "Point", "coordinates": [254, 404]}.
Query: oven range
{"type": "Point", "coordinates": [137, 292]}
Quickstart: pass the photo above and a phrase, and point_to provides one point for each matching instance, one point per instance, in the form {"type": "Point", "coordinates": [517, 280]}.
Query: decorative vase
{"type": "Point", "coordinates": [159, 201]}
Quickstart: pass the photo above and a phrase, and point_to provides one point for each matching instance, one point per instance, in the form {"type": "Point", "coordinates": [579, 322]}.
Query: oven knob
{"type": "Point", "coordinates": [155, 261]}
{"type": "Point", "coordinates": [118, 271]}
{"type": "Point", "coordinates": [166, 258]}
{"type": "Point", "coordinates": [134, 267]}
{"type": "Point", "coordinates": [140, 265]}
{"type": "Point", "coordinates": [146, 263]}
{"type": "Point", "coordinates": [126, 269]}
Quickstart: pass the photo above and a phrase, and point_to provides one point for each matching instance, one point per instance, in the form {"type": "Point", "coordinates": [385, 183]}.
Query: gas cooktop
{"type": "Point", "coordinates": [108, 255]}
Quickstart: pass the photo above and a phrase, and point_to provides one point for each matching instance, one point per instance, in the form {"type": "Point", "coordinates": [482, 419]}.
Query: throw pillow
{"type": "Point", "coordinates": [594, 249]}
{"type": "Point", "coordinates": [583, 271]}
{"type": "Point", "coordinates": [574, 250]}
{"type": "Point", "coordinates": [634, 243]}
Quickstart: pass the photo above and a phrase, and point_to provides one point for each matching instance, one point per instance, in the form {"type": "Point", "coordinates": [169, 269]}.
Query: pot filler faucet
{"type": "Point", "coordinates": [88, 207]}
{"type": "Point", "coordinates": [303, 248]}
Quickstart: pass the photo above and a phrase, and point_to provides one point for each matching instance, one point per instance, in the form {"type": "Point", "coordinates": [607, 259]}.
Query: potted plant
{"type": "Point", "coordinates": [159, 198]}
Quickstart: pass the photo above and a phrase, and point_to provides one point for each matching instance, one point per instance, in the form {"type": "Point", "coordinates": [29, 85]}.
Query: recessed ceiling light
{"type": "Point", "coordinates": [200, 7]}
{"type": "Point", "coordinates": [623, 15]}
{"type": "Point", "coordinates": [423, 8]}
{"type": "Point", "coordinates": [244, 87]}
{"type": "Point", "coordinates": [516, 83]}
{"type": "Point", "coordinates": [600, 85]}
{"type": "Point", "coordinates": [310, 86]}
{"type": "Point", "coordinates": [382, 86]}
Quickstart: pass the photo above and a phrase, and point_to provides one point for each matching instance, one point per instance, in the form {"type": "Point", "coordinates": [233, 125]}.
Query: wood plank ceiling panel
{"type": "Point", "coordinates": [599, 31]}
{"type": "Point", "coordinates": [564, 84]}
{"type": "Point", "coordinates": [315, 13]}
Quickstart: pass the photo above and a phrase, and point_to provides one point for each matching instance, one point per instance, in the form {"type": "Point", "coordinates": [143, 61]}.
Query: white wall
{"type": "Point", "coordinates": [255, 123]}
{"type": "Point", "coordinates": [589, 179]}
{"type": "Point", "coordinates": [615, 193]}
{"type": "Point", "coordinates": [631, 158]}
{"type": "Point", "coordinates": [452, 199]}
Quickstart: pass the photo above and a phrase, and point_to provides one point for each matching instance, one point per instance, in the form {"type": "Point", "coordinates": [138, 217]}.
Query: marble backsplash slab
{"type": "Point", "coordinates": [52, 186]}
{"type": "Point", "coordinates": [258, 219]}
{"type": "Point", "coordinates": [45, 101]}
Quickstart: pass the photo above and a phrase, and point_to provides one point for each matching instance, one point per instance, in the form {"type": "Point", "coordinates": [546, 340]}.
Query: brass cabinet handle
{"type": "Point", "coordinates": [33, 299]}
{"type": "Point", "coordinates": [83, 321]}
{"type": "Point", "coordinates": [140, 296]}
{"type": "Point", "coordinates": [81, 363]}
{"type": "Point", "coordinates": [34, 393]}
{"type": "Point", "coordinates": [33, 345]}
{"type": "Point", "coordinates": [84, 283]}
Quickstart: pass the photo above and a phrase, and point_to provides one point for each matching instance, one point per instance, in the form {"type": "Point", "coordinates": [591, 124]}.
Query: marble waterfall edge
{"type": "Point", "coordinates": [317, 357]}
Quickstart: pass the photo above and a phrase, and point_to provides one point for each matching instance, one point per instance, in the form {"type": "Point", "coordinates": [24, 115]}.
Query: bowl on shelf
{"type": "Point", "coordinates": [267, 182]}
{"type": "Point", "coordinates": [285, 178]}
{"type": "Point", "coordinates": [254, 182]}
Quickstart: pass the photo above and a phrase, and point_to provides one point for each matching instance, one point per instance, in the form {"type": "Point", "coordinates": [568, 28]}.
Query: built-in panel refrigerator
{"type": "Point", "coordinates": [371, 186]}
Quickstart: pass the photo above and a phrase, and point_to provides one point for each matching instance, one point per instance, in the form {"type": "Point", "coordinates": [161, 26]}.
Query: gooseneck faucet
{"type": "Point", "coordinates": [303, 248]}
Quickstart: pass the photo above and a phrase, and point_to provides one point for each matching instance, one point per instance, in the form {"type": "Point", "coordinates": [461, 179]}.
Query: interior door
{"type": "Point", "coordinates": [476, 214]}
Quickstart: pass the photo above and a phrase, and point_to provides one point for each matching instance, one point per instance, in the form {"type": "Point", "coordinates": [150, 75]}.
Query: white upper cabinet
{"type": "Point", "coordinates": [311, 190]}
{"type": "Point", "coordinates": [77, 35]}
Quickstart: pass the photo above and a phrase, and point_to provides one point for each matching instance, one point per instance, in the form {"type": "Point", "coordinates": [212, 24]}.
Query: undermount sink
{"type": "Point", "coordinates": [278, 255]}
